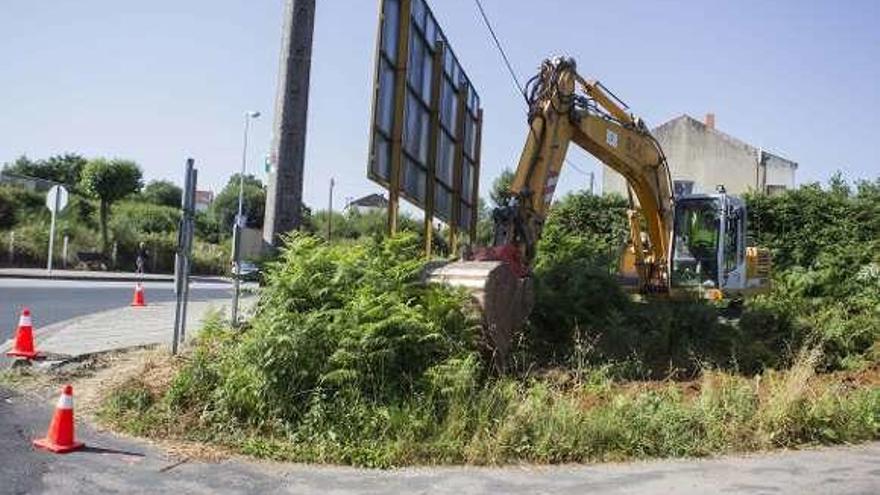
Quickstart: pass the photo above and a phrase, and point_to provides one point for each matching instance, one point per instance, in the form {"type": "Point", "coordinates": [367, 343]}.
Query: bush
{"type": "Point", "coordinates": [143, 218]}
{"type": "Point", "coordinates": [17, 204]}
{"type": "Point", "coordinates": [352, 322]}
{"type": "Point", "coordinates": [826, 290]}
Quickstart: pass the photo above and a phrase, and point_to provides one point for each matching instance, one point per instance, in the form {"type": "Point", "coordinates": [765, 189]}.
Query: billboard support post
{"type": "Point", "coordinates": [430, 178]}
{"type": "Point", "coordinates": [475, 211]}
{"type": "Point", "coordinates": [459, 161]}
{"type": "Point", "coordinates": [405, 20]}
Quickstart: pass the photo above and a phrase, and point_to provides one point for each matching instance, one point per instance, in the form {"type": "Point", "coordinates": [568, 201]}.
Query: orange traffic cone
{"type": "Point", "coordinates": [24, 338]}
{"type": "Point", "coordinates": [138, 300]}
{"type": "Point", "coordinates": [60, 438]}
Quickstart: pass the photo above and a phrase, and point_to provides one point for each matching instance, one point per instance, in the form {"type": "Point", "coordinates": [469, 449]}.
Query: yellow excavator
{"type": "Point", "coordinates": [688, 245]}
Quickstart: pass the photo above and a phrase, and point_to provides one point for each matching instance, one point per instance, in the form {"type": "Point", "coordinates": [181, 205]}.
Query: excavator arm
{"type": "Point", "coordinates": [564, 108]}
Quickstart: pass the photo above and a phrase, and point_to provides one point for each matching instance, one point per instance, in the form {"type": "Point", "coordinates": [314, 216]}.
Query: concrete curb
{"type": "Point", "coordinates": [109, 277]}
{"type": "Point", "coordinates": [86, 276]}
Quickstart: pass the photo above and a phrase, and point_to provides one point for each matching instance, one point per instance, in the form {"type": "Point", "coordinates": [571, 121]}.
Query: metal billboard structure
{"type": "Point", "coordinates": [426, 125]}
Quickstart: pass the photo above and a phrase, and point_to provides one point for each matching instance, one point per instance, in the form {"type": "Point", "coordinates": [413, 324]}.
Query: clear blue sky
{"type": "Point", "coordinates": [157, 81]}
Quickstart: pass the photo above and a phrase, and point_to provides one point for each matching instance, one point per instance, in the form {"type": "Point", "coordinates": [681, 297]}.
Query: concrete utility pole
{"type": "Point", "coordinates": [330, 213]}
{"type": "Point", "coordinates": [284, 194]}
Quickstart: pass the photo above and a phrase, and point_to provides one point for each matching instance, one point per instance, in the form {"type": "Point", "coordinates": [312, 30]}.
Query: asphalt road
{"type": "Point", "coordinates": [114, 465]}
{"type": "Point", "coordinates": [51, 301]}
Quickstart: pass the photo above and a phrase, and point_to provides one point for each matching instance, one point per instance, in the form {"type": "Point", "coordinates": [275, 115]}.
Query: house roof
{"type": "Point", "coordinates": [371, 201]}
{"type": "Point", "coordinates": [685, 119]}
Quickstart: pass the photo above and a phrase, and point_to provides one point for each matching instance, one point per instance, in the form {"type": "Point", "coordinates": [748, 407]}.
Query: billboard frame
{"type": "Point", "coordinates": [401, 148]}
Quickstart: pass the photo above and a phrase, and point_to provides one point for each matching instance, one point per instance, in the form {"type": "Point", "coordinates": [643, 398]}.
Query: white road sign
{"type": "Point", "coordinates": [58, 193]}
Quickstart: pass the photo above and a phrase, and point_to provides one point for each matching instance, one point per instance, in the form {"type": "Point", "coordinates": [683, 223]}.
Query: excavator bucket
{"type": "Point", "coordinates": [505, 300]}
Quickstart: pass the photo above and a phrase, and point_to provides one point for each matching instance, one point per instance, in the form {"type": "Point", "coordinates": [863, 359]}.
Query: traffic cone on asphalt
{"type": "Point", "coordinates": [24, 337]}
{"type": "Point", "coordinates": [60, 437]}
{"type": "Point", "coordinates": [138, 300]}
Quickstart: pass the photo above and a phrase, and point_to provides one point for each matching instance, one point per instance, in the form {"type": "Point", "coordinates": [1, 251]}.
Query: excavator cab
{"type": "Point", "coordinates": [709, 253]}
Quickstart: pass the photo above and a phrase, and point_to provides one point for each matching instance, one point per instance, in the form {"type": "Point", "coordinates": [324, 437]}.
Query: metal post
{"type": "Point", "coordinates": [64, 252]}
{"type": "Point", "coordinates": [12, 247]}
{"type": "Point", "coordinates": [179, 269]}
{"type": "Point", "coordinates": [55, 205]}
{"type": "Point", "coordinates": [592, 182]}
{"type": "Point", "coordinates": [399, 104]}
{"type": "Point", "coordinates": [238, 224]}
{"type": "Point", "coordinates": [189, 230]}
{"type": "Point", "coordinates": [284, 191]}
{"type": "Point", "coordinates": [330, 213]}
{"type": "Point", "coordinates": [114, 254]}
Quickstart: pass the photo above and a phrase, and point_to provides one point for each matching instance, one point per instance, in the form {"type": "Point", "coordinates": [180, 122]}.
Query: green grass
{"type": "Point", "coordinates": [546, 420]}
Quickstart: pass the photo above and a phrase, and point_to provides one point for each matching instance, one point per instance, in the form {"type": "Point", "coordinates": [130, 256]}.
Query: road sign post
{"type": "Point", "coordinates": [182, 263]}
{"type": "Point", "coordinates": [64, 252]}
{"type": "Point", "coordinates": [56, 200]}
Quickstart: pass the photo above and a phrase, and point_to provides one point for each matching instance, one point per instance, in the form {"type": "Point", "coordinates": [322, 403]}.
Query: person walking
{"type": "Point", "coordinates": [142, 255]}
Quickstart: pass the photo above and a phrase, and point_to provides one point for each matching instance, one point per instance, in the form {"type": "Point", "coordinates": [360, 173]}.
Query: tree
{"type": "Point", "coordinates": [109, 181]}
{"type": "Point", "coordinates": [65, 169]}
{"type": "Point", "coordinates": [163, 192]}
{"type": "Point", "coordinates": [225, 205]}
{"type": "Point", "coordinates": [500, 193]}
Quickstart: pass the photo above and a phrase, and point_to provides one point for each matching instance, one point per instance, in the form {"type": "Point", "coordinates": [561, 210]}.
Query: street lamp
{"type": "Point", "coordinates": [238, 224]}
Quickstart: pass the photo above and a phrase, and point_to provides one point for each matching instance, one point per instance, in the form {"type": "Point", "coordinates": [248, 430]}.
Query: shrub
{"type": "Point", "coordinates": [17, 204]}
{"type": "Point", "coordinates": [143, 218]}
{"type": "Point", "coordinates": [340, 325]}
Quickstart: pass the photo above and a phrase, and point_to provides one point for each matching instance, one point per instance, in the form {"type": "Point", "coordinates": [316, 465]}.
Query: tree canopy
{"type": "Point", "coordinates": [163, 192]}
{"type": "Point", "coordinates": [226, 203]}
{"type": "Point", "coordinates": [65, 169]}
{"type": "Point", "coordinates": [109, 181]}
{"type": "Point", "coordinates": [500, 192]}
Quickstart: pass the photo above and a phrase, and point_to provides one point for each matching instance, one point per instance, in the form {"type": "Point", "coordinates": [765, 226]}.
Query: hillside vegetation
{"type": "Point", "coordinates": [111, 210]}
{"type": "Point", "coordinates": [350, 359]}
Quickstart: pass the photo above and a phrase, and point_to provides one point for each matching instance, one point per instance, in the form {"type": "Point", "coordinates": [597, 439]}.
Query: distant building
{"type": "Point", "coordinates": [701, 158]}
{"type": "Point", "coordinates": [372, 202]}
{"type": "Point", "coordinates": [204, 200]}
{"type": "Point", "coordinates": [29, 183]}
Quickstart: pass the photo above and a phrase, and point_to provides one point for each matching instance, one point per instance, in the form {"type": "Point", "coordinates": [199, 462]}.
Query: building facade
{"type": "Point", "coordinates": [203, 200]}
{"type": "Point", "coordinates": [368, 203]}
{"type": "Point", "coordinates": [701, 158]}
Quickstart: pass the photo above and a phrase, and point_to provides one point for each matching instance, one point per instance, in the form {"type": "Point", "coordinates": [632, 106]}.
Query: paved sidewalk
{"type": "Point", "coordinates": [40, 273]}
{"type": "Point", "coordinates": [117, 329]}
{"type": "Point", "coordinates": [83, 275]}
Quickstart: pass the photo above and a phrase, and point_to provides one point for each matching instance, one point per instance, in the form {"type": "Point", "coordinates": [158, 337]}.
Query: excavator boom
{"type": "Point", "coordinates": [565, 108]}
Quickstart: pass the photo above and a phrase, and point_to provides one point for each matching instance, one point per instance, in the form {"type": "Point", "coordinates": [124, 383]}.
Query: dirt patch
{"type": "Point", "coordinates": [108, 371]}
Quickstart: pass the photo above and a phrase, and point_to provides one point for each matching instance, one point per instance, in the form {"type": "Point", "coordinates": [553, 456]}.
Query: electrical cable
{"type": "Point", "coordinates": [519, 86]}
{"type": "Point", "coordinates": [501, 50]}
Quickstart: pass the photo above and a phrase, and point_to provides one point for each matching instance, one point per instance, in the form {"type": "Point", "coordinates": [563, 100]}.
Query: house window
{"type": "Point", "coordinates": [683, 187]}
{"type": "Point", "coordinates": [774, 189]}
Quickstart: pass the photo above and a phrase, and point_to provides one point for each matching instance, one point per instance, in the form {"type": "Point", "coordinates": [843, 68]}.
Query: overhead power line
{"type": "Point", "coordinates": [512, 72]}
{"type": "Point", "coordinates": [500, 49]}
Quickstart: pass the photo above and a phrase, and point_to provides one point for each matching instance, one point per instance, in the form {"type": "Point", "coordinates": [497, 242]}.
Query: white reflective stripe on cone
{"type": "Point", "coordinates": [25, 321]}
{"type": "Point", "coordinates": [65, 402]}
